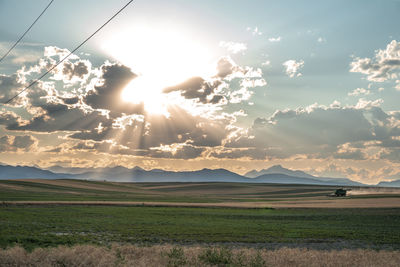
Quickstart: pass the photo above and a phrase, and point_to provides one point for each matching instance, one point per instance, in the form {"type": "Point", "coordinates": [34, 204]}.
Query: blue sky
{"type": "Point", "coordinates": [297, 71]}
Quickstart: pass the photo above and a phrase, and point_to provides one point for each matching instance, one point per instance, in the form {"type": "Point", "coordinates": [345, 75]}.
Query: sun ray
{"type": "Point", "coordinates": [161, 56]}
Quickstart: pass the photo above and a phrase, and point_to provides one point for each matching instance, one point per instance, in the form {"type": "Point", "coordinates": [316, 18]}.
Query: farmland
{"type": "Point", "coordinates": [49, 213]}
{"type": "Point", "coordinates": [192, 194]}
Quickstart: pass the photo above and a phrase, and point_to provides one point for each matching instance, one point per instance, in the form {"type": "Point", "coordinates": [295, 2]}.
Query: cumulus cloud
{"type": "Point", "coordinates": [359, 91]}
{"type": "Point", "coordinates": [293, 67]}
{"type": "Point", "coordinates": [200, 89]}
{"type": "Point", "coordinates": [72, 72]}
{"type": "Point", "coordinates": [214, 90]}
{"type": "Point", "coordinates": [346, 132]}
{"type": "Point", "coordinates": [233, 47]}
{"type": "Point", "coordinates": [106, 93]}
{"type": "Point", "coordinates": [82, 105]}
{"type": "Point", "coordinates": [384, 66]}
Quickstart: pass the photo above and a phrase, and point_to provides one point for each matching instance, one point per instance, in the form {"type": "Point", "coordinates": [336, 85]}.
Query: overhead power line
{"type": "Point", "coordinates": [23, 35]}
{"type": "Point", "coordinates": [73, 51]}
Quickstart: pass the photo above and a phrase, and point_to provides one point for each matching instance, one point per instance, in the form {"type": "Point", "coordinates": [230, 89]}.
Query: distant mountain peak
{"type": "Point", "coordinates": [278, 169]}
{"type": "Point", "coordinates": [137, 168]}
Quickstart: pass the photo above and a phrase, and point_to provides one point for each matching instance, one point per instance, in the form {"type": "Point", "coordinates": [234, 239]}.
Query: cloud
{"type": "Point", "coordinates": [198, 88]}
{"type": "Point", "coordinates": [254, 31]}
{"type": "Point", "coordinates": [216, 90]}
{"type": "Point", "coordinates": [293, 67]}
{"type": "Point", "coordinates": [10, 143]}
{"type": "Point", "coordinates": [106, 93]}
{"type": "Point", "coordinates": [359, 91]}
{"type": "Point", "coordinates": [72, 72]}
{"type": "Point", "coordinates": [22, 54]}
{"type": "Point", "coordinates": [82, 105]}
{"type": "Point", "coordinates": [317, 131]}
{"type": "Point", "coordinates": [10, 86]}
{"type": "Point", "coordinates": [275, 39]}
{"type": "Point", "coordinates": [384, 66]}
{"type": "Point", "coordinates": [266, 63]}
{"type": "Point", "coordinates": [233, 47]}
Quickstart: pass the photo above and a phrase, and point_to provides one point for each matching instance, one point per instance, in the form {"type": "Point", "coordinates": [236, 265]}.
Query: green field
{"type": "Point", "coordinates": [42, 226]}
{"type": "Point", "coordinates": [48, 224]}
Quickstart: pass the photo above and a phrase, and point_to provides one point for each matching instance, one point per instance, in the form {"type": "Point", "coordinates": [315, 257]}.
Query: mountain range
{"type": "Point", "coordinates": [274, 174]}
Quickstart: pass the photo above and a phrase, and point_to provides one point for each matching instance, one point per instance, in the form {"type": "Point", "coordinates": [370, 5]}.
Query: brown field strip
{"type": "Point", "coordinates": [332, 203]}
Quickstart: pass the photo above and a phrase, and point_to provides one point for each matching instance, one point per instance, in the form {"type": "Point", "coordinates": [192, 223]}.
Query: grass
{"type": "Point", "coordinates": [174, 256]}
{"type": "Point", "coordinates": [47, 226]}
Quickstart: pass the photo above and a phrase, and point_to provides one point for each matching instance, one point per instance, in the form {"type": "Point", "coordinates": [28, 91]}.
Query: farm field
{"type": "Point", "coordinates": [49, 213]}
{"type": "Point", "coordinates": [192, 194]}
{"type": "Point", "coordinates": [53, 225]}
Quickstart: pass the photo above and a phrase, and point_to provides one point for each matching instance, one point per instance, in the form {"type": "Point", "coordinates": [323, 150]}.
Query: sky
{"type": "Point", "coordinates": [186, 85]}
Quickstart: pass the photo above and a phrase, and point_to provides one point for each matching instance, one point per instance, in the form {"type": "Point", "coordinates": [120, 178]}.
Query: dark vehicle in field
{"type": "Point", "coordinates": [340, 192]}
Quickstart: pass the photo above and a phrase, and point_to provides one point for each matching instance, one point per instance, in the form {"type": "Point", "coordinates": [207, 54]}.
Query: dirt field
{"type": "Point", "coordinates": [332, 203]}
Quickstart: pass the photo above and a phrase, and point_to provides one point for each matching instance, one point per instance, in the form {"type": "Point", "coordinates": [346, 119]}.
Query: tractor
{"type": "Point", "coordinates": [340, 192]}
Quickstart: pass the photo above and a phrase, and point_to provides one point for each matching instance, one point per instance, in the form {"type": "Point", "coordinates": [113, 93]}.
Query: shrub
{"type": "Point", "coordinates": [216, 256]}
{"type": "Point", "coordinates": [257, 260]}
{"type": "Point", "coordinates": [176, 257]}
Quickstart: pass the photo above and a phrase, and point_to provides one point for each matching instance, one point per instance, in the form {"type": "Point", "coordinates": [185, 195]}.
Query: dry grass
{"type": "Point", "coordinates": [168, 255]}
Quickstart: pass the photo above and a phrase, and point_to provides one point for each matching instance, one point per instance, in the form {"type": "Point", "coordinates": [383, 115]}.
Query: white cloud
{"type": "Point", "coordinates": [363, 103]}
{"type": "Point", "coordinates": [293, 67]}
{"type": "Point", "coordinates": [359, 91]}
{"type": "Point", "coordinates": [233, 47]}
{"type": "Point", "coordinates": [254, 31]}
{"type": "Point", "coordinates": [275, 39]}
{"type": "Point", "coordinates": [266, 63]}
{"type": "Point", "coordinates": [397, 85]}
{"type": "Point", "coordinates": [321, 40]}
{"type": "Point", "coordinates": [384, 66]}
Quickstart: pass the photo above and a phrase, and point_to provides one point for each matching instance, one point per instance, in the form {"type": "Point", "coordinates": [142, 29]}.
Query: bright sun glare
{"type": "Point", "coordinates": [161, 57]}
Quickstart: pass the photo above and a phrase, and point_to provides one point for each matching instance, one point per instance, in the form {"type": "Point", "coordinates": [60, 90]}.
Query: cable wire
{"type": "Point", "coordinates": [59, 62]}
{"type": "Point", "coordinates": [23, 35]}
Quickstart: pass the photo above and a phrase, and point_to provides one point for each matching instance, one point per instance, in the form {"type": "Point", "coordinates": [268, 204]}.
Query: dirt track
{"type": "Point", "coordinates": [333, 203]}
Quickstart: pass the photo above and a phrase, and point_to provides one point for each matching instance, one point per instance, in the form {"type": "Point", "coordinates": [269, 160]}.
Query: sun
{"type": "Point", "coordinates": [161, 56]}
{"type": "Point", "coordinates": [148, 91]}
